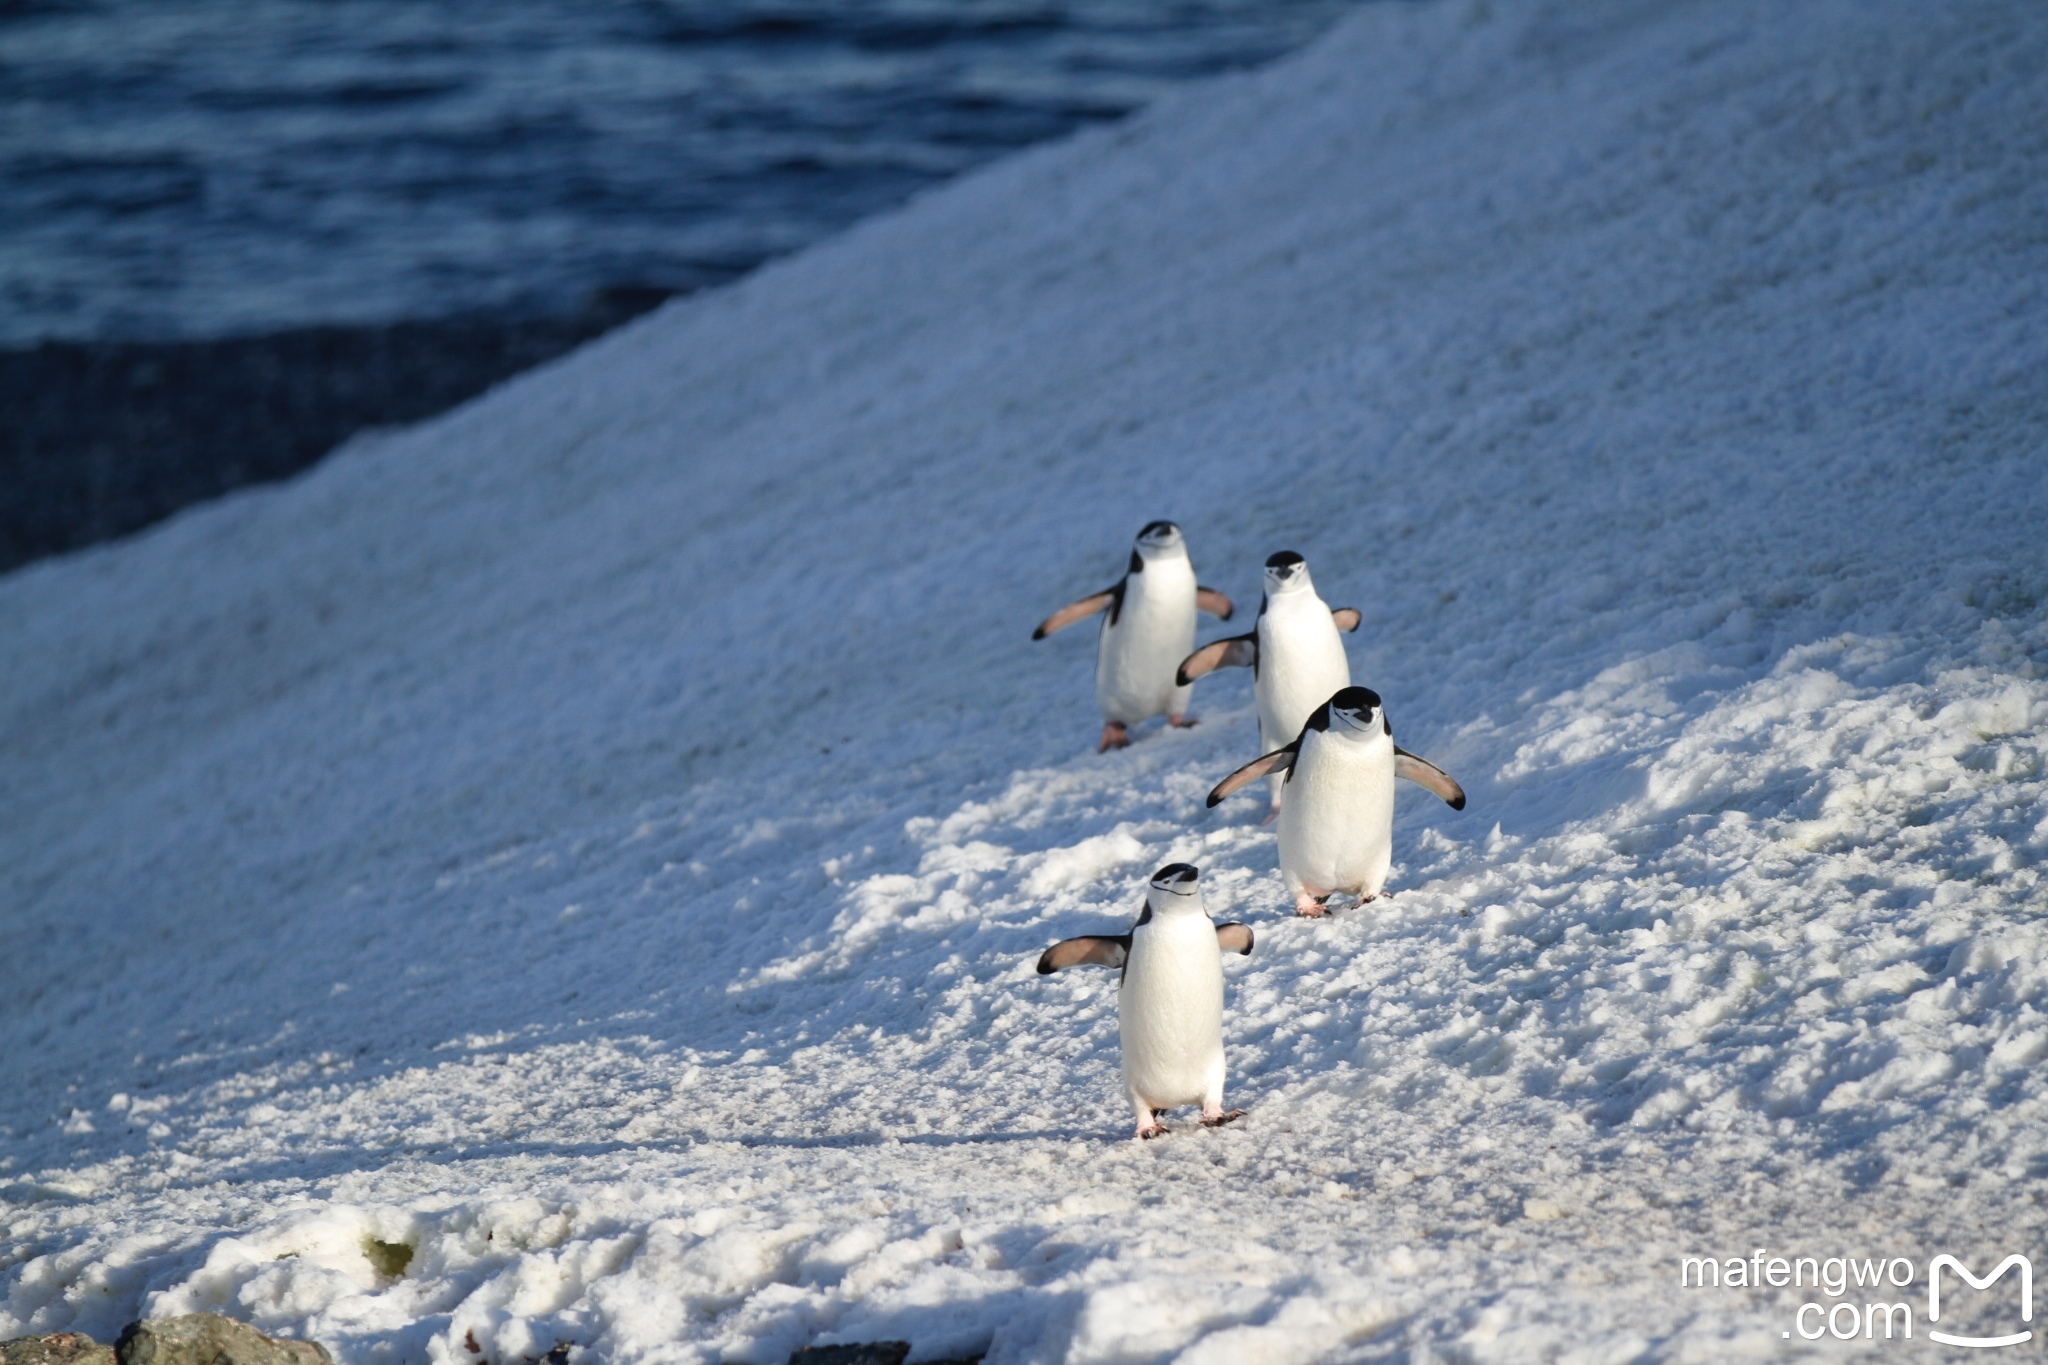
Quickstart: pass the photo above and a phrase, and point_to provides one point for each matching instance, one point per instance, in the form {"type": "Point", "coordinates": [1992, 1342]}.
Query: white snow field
{"type": "Point", "coordinates": [595, 844]}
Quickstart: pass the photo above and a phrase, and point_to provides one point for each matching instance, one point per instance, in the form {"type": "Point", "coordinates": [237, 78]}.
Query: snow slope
{"type": "Point", "coordinates": [595, 844]}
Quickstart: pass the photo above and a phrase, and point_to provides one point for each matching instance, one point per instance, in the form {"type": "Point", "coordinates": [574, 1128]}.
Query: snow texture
{"type": "Point", "coordinates": [571, 871]}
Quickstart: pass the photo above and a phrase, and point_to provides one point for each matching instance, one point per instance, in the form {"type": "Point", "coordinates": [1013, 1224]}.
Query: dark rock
{"type": "Point", "coordinates": [865, 1353]}
{"type": "Point", "coordinates": [63, 1348]}
{"type": "Point", "coordinates": [210, 1339]}
{"type": "Point", "coordinates": [388, 1259]}
{"type": "Point", "coordinates": [99, 439]}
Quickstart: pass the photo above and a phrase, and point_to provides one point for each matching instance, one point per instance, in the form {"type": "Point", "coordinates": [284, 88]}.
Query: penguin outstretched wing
{"type": "Point", "coordinates": [1213, 602]}
{"type": "Point", "coordinates": [1278, 761]}
{"type": "Point", "coordinates": [1233, 937]}
{"type": "Point", "coordinates": [1427, 774]}
{"type": "Point", "coordinates": [1081, 610]}
{"type": "Point", "coordinates": [1347, 618]}
{"type": "Point", "coordinates": [1235, 652]}
{"type": "Point", "coordinates": [1090, 950]}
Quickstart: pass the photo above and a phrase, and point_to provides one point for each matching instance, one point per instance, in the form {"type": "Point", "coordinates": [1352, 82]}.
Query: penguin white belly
{"type": "Point", "coordinates": [1170, 1014]}
{"type": "Point", "coordinates": [1302, 664]}
{"type": "Point", "coordinates": [1139, 652]}
{"type": "Point", "coordinates": [1337, 825]}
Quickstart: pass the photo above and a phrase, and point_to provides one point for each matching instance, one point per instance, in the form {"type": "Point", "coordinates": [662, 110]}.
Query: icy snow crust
{"type": "Point", "coordinates": [600, 839]}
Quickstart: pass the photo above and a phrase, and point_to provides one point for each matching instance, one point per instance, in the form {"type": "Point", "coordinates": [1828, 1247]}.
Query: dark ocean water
{"type": "Point", "coordinates": [235, 232]}
{"type": "Point", "coordinates": [202, 168]}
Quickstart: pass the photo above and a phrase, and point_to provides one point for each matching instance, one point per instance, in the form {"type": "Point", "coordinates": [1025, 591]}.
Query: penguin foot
{"type": "Point", "coordinates": [1183, 722]}
{"type": "Point", "coordinates": [1310, 907]}
{"type": "Point", "coordinates": [1114, 736]}
{"type": "Point", "coordinates": [1219, 1118]}
{"type": "Point", "coordinates": [1154, 1131]}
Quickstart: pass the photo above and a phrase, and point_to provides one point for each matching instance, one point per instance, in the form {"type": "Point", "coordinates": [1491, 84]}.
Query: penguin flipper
{"type": "Point", "coordinates": [1077, 611]}
{"type": "Point", "coordinates": [1234, 938]}
{"type": "Point", "coordinates": [1090, 950]}
{"type": "Point", "coordinates": [1277, 761]}
{"type": "Point", "coordinates": [1347, 618]}
{"type": "Point", "coordinates": [1237, 651]}
{"type": "Point", "coordinates": [1213, 602]}
{"type": "Point", "coordinates": [1427, 774]}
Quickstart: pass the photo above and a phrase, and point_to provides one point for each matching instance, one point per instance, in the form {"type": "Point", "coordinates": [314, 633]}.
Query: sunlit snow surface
{"type": "Point", "coordinates": [601, 838]}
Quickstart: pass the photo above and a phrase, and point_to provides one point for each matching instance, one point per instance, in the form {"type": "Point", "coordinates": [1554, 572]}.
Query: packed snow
{"type": "Point", "coordinates": [568, 875]}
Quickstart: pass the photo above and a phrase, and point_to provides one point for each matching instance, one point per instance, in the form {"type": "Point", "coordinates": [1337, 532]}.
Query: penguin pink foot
{"type": "Point", "coordinates": [1217, 1117]}
{"type": "Point", "coordinates": [1183, 722]}
{"type": "Point", "coordinates": [1114, 736]}
{"type": "Point", "coordinates": [1309, 906]}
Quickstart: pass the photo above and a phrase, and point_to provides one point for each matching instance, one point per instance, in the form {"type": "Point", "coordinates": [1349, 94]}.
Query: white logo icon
{"type": "Point", "coordinates": [2026, 1298]}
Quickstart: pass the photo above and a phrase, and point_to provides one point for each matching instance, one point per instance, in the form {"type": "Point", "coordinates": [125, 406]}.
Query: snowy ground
{"type": "Point", "coordinates": [595, 844]}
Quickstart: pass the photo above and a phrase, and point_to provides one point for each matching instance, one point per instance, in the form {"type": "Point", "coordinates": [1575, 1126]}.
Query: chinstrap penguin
{"type": "Point", "coordinates": [1337, 823]}
{"type": "Point", "coordinates": [1295, 654]}
{"type": "Point", "coordinates": [1169, 999]}
{"type": "Point", "coordinates": [1149, 629]}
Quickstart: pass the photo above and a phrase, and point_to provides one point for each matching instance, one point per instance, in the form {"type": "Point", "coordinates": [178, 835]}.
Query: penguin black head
{"type": "Point", "coordinates": [1284, 570]}
{"type": "Point", "coordinates": [1158, 537]}
{"type": "Point", "coordinates": [1178, 878]}
{"type": "Point", "coordinates": [1357, 708]}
